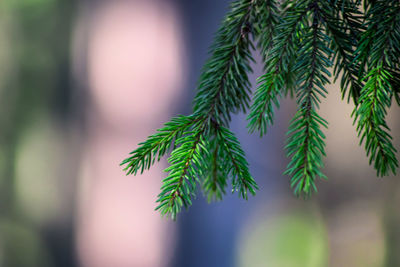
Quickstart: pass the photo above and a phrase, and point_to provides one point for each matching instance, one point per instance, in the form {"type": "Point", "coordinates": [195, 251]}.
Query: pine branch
{"type": "Point", "coordinates": [278, 68]}
{"type": "Point", "coordinates": [224, 85]}
{"type": "Point", "coordinates": [223, 89]}
{"type": "Point", "coordinates": [349, 13]}
{"type": "Point", "coordinates": [394, 80]}
{"type": "Point", "coordinates": [187, 163]}
{"type": "Point", "coordinates": [372, 128]}
{"type": "Point", "coordinates": [157, 145]}
{"type": "Point", "coordinates": [394, 68]}
{"type": "Point", "coordinates": [265, 21]}
{"type": "Point", "coordinates": [343, 21]}
{"type": "Point", "coordinates": [306, 142]}
{"type": "Point", "coordinates": [237, 166]}
{"type": "Point", "coordinates": [266, 96]}
{"type": "Point", "coordinates": [215, 181]}
{"type": "Point", "coordinates": [300, 41]}
{"type": "Point", "coordinates": [378, 45]}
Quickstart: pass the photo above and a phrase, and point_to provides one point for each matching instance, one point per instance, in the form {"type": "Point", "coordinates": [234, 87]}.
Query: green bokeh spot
{"type": "Point", "coordinates": [286, 241]}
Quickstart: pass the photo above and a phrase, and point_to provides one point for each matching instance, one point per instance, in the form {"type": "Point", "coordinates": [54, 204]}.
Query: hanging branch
{"type": "Point", "coordinates": [377, 47]}
{"type": "Point", "coordinates": [344, 25]}
{"type": "Point", "coordinates": [278, 68]}
{"type": "Point", "coordinates": [223, 89]}
{"type": "Point", "coordinates": [371, 127]}
{"type": "Point", "coordinates": [237, 167]}
{"type": "Point", "coordinates": [299, 41]}
{"type": "Point", "coordinates": [306, 145]}
{"type": "Point", "coordinates": [265, 20]}
{"type": "Point", "coordinates": [187, 163]}
{"type": "Point", "coordinates": [215, 180]}
{"type": "Point", "coordinates": [157, 145]}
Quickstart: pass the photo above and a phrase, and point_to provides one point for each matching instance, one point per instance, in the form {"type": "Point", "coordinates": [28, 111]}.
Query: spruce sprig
{"type": "Point", "coordinates": [306, 145]}
{"type": "Point", "coordinates": [215, 180]}
{"type": "Point", "coordinates": [223, 89]}
{"type": "Point", "coordinates": [299, 42]}
{"type": "Point", "coordinates": [266, 97]}
{"type": "Point", "coordinates": [158, 144]}
{"type": "Point", "coordinates": [228, 161]}
{"type": "Point", "coordinates": [187, 164]}
{"type": "Point", "coordinates": [224, 85]}
{"type": "Point", "coordinates": [378, 49]}
{"type": "Point", "coordinates": [371, 126]}
{"type": "Point", "coordinates": [237, 167]}
{"type": "Point", "coordinates": [266, 18]}
{"type": "Point", "coordinates": [344, 26]}
{"type": "Point", "coordinates": [278, 67]}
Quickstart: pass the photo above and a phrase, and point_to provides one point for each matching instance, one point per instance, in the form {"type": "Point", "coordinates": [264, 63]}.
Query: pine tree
{"type": "Point", "coordinates": [304, 45]}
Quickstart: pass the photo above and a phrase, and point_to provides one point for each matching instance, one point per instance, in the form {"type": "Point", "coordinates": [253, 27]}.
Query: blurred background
{"type": "Point", "coordinates": [82, 82]}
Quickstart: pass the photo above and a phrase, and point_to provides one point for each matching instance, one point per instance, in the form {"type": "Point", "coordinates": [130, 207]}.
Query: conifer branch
{"type": "Point", "coordinates": [344, 26]}
{"type": "Point", "coordinates": [278, 68]}
{"type": "Point", "coordinates": [237, 166]}
{"type": "Point", "coordinates": [377, 91]}
{"type": "Point", "coordinates": [223, 89]}
{"type": "Point", "coordinates": [372, 127]}
{"type": "Point", "coordinates": [299, 42]}
{"type": "Point", "coordinates": [215, 181]}
{"type": "Point", "coordinates": [265, 22]}
{"type": "Point", "coordinates": [224, 85]}
{"type": "Point", "coordinates": [394, 80]}
{"type": "Point", "coordinates": [187, 163]}
{"type": "Point", "coordinates": [157, 145]}
{"type": "Point", "coordinates": [262, 111]}
{"type": "Point", "coordinates": [306, 145]}
{"type": "Point", "coordinates": [348, 12]}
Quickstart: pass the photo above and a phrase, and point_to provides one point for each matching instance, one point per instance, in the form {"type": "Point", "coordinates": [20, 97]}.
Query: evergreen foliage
{"type": "Point", "coordinates": [304, 45]}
